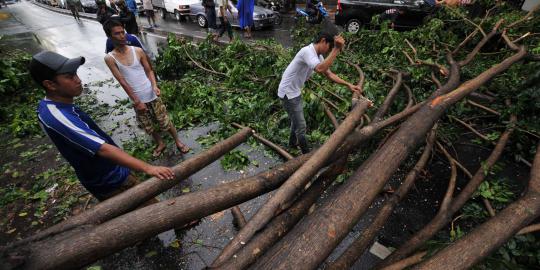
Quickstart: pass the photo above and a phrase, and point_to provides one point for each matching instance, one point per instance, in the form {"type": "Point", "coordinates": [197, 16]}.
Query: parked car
{"type": "Point", "coordinates": [180, 9]}
{"type": "Point", "coordinates": [53, 3]}
{"type": "Point", "coordinates": [262, 17]}
{"type": "Point", "coordinates": [89, 6]}
{"type": "Point", "coordinates": [352, 14]}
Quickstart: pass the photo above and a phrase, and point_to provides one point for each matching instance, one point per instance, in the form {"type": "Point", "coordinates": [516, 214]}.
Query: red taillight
{"type": "Point", "coordinates": [338, 5]}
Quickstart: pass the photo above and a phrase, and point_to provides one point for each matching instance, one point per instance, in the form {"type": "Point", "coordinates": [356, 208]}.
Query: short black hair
{"type": "Point", "coordinates": [109, 24]}
{"type": "Point", "coordinates": [327, 38]}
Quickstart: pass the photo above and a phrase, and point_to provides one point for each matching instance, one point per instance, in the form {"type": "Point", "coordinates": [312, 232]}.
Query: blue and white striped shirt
{"type": "Point", "coordinates": [79, 139]}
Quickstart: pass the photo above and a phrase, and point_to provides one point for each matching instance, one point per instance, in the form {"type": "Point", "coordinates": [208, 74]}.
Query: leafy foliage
{"type": "Point", "coordinates": [19, 95]}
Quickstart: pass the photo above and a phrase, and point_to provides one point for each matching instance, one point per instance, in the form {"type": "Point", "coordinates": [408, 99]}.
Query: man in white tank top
{"type": "Point", "coordinates": [131, 68]}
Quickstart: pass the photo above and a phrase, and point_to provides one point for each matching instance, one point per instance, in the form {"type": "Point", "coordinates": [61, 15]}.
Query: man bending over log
{"type": "Point", "coordinates": [307, 60]}
{"type": "Point", "coordinates": [102, 168]}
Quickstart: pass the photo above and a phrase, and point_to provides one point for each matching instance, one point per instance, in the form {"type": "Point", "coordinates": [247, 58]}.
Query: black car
{"type": "Point", "coordinates": [352, 14]}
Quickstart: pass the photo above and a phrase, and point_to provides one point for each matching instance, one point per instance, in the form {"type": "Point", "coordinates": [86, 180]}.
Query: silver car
{"type": "Point", "coordinates": [262, 17]}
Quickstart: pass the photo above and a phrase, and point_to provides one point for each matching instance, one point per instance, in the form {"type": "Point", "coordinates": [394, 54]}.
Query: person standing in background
{"type": "Point", "coordinates": [245, 15]}
{"type": "Point", "coordinates": [225, 24]}
{"type": "Point", "coordinates": [210, 12]}
{"type": "Point", "coordinates": [72, 5]}
{"type": "Point", "coordinates": [128, 19]}
{"type": "Point", "coordinates": [149, 11]}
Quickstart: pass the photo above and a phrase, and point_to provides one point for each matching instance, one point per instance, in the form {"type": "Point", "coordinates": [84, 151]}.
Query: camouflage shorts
{"type": "Point", "coordinates": [156, 114]}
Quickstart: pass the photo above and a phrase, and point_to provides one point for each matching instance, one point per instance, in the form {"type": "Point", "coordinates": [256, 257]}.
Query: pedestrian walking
{"type": "Point", "coordinates": [245, 15]}
{"type": "Point", "coordinates": [210, 12]}
{"type": "Point", "coordinates": [308, 59]}
{"type": "Point", "coordinates": [128, 19]}
{"type": "Point", "coordinates": [102, 168]}
{"type": "Point", "coordinates": [132, 6]}
{"type": "Point", "coordinates": [149, 12]}
{"type": "Point", "coordinates": [225, 25]}
{"type": "Point", "coordinates": [130, 67]}
{"type": "Point", "coordinates": [73, 6]}
{"type": "Point", "coordinates": [104, 13]}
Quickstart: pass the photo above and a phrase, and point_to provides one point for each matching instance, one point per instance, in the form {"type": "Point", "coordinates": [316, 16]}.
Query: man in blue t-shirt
{"type": "Point", "coordinates": [102, 168]}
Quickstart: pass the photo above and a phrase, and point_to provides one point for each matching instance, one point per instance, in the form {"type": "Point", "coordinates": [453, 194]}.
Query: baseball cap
{"type": "Point", "coordinates": [46, 64]}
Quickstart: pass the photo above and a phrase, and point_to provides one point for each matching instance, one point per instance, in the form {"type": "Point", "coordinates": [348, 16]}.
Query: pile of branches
{"type": "Point", "coordinates": [447, 72]}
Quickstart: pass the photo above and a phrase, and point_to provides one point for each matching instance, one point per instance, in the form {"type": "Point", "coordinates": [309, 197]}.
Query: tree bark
{"type": "Point", "coordinates": [359, 246]}
{"type": "Point", "coordinates": [99, 241]}
{"type": "Point", "coordinates": [134, 197]}
{"type": "Point", "coordinates": [484, 239]}
{"type": "Point", "coordinates": [445, 215]}
{"type": "Point", "coordinates": [281, 224]}
{"type": "Point", "coordinates": [313, 239]}
{"type": "Point", "coordinates": [238, 218]}
{"type": "Point", "coordinates": [294, 184]}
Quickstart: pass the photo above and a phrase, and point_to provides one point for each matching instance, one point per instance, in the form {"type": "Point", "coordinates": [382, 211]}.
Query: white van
{"type": "Point", "coordinates": [179, 8]}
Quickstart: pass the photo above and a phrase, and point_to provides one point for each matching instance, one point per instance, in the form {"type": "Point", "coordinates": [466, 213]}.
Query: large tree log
{"type": "Point", "coordinates": [484, 239]}
{"type": "Point", "coordinates": [99, 241]}
{"type": "Point", "coordinates": [444, 215]}
{"type": "Point", "coordinates": [359, 246]}
{"type": "Point", "coordinates": [313, 239]}
{"type": "Point", "coordinates": [295, 183]}
{"type": "Point", "coordinates": [281, 224]}
{"type": "Point", "coordinates": [134, 197]}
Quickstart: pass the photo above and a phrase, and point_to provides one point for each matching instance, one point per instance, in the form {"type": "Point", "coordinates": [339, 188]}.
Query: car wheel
{"type": "Point", "coordinates": [163, 13]}
{"type": "Point", "coordinates": [277, 19]}
{"type": "Point", "coordinates": [177, 15]}
{"type": "Point", "coordinates": [201, 20]}
{"type": "Point", "coordinates": [353, 26]}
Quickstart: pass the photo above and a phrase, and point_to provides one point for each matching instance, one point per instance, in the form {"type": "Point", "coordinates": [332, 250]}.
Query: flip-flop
{"type": "Point", "coordinates": [157, 152]}
{"type": "Point", "coordinates": [184, 149]}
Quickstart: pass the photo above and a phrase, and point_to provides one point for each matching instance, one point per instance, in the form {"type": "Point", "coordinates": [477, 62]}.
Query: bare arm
{"type": "Point", "coordinates": [328, 61]}
{"type": "Point", "coordinates": [143, 58]}
{"type": "Point", "coordinates": [120, 157]}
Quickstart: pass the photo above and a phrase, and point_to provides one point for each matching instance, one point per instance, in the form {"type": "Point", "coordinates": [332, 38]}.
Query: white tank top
{"type": "Point", "coordinates": [136, 78]}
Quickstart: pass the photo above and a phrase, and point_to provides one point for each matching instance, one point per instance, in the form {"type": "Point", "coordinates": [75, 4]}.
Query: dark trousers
{"type": "Point", "coordinates": [295, 111]}
{"type": "Point", "coordinates": [74, 11]}
{"type": "Point", "coordinates": [211, 17]}
{"type": "Point", "coordinates": [225, 26]}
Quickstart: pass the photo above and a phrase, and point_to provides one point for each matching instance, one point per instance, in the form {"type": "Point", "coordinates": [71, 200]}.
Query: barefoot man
{"type": "Point", "coordinates": [130, 67]}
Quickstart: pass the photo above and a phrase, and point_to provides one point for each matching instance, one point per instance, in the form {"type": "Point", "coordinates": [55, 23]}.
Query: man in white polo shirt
{"type": "Point", "coordinates": [307, 60]}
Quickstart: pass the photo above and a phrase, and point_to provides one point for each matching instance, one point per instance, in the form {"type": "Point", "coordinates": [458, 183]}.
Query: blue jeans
{"type": "Point", "coordinates": [295, 111]}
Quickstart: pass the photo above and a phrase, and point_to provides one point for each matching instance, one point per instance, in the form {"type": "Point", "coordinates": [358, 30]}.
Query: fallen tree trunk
{"type": "Point", "coordinates": [445, 215]}
{"type": "Point", "coordinates": [484, 239]}
{"type": "Point", "coordinates": [359, 246]}
{"type": "Point", "coordinates": [134, 197]}
{"type": "Point", "coordinates": [281, 224]}
{"type": "Point", "coordinates": [101, 240]}
{"type": "Point", "coordinates": [314, 238]}
{"type": "Point", "coordinates": [295, 183]}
